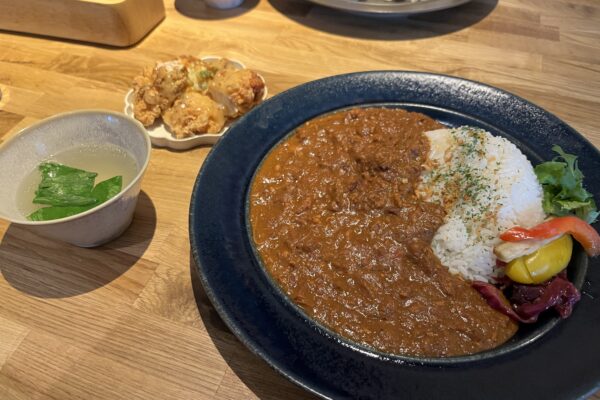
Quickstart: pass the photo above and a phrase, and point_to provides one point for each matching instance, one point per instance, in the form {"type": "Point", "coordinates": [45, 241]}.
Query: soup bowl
{"type": "Point", "coordinates": [22, 154]}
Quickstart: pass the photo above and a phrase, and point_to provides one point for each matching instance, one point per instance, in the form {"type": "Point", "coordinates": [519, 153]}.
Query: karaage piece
{"type": "Point", "coordinates": [199, 73]}
{"type": "Point", "coordinates": [155, 90]}
{"type": "Point", "coordinates": [237, 90]}
{"type": "Point", "coordinates": [220, 64]}
{"type": "Point", "coordinates": [194, 114]}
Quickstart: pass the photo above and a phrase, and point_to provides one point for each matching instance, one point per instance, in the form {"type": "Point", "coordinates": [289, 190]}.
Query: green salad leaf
{"type": "Point", "coordinates": [70, 191]}
{"type": "Point", "coordinates": [562, 182]}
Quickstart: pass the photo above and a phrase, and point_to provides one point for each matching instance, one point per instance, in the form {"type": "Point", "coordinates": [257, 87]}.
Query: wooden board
{"type": "Point", "coordinates": [122, 321]}
{"type": "Point", "coordinates": [112, 22]}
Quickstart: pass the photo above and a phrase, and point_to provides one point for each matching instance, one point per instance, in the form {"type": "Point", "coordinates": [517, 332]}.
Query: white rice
{"type": "Point", "coordinates": [486, 186]}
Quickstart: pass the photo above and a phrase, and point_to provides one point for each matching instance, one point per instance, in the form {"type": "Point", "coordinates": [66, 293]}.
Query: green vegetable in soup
{"type": "Point", "coordinates": [64, 186]}
{"type": "Point", "coordinates": [70, 191]}
{"type": "Point", "coordinates": [562, 182]}
{"type": "Point", "coordinates": [107, 189]}
{"type": "Point", "coordinates": [56, 212]}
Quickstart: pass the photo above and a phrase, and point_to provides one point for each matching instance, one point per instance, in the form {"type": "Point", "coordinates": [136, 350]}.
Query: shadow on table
{"type": "Point", "coordinates": [418, 26]}
{"type": "Point", "coordinates": [45, 268]}
{"type": "Point", "coordinates": [197, 9]}
{"type": "Point", "coordinates": [256, 374]}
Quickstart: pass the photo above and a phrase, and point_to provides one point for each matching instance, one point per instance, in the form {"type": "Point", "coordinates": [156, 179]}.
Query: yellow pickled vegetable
{"type": "Point", "coordinates": [542, 264]}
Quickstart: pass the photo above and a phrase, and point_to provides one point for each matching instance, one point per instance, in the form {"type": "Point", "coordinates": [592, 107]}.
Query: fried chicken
{"type": "Point", "coordinates": [199, 73]}
{"type": "Point", "coordinates": [155, 90]}
{"type": "Point", "coordinates": [194, 114]}
{"type": "Point", "coordinates": [237, 90]}
{"type": "Point", "coordinates": [220, 64]}
{"type": "Point", "coordinates": [195, 96]}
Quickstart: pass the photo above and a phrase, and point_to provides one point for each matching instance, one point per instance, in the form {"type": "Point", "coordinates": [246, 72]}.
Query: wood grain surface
{"type": "Point", "coordinates": [112, 22]}
{"type": "Point", "coordinates": [123, 321]}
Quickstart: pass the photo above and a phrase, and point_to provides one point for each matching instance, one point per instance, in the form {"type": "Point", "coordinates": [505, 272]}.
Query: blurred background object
{"type": "Point", "coordinates": [390, 8]}
{"type": "Point", "coordinates": [223, 4]}
{"type": "Point", "coordinates": [111, 22]}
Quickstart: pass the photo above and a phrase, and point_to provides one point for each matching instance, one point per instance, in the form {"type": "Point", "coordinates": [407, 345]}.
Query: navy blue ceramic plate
{"type": "Point", "coordinates": [551, 359]}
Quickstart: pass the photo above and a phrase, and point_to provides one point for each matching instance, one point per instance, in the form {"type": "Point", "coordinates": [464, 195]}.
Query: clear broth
{"type": "Point", "coordinates": [106, 160]}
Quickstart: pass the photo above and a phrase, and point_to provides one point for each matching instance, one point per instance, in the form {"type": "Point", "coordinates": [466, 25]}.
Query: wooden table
{"type": "Point", "coordinates": [121, 321]}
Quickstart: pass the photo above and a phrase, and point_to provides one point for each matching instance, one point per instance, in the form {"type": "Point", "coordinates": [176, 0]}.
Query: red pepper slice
{"type": "Point", "coordinates": [578, 228]}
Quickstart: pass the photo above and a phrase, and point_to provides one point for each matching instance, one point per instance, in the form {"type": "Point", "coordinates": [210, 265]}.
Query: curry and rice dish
{"type": "Point", "coordinates": [383, 226]}
{"type": "Point", "coordinates": [338, 224]}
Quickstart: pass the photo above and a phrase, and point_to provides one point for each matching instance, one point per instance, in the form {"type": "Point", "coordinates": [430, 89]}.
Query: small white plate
{"type": "Point", "coordinates": [161, 135]}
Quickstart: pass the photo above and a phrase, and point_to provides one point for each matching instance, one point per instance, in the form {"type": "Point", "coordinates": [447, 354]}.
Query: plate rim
{"type": "Point", "coordinates": [251, 343]}
{"type": "Point", "coordinates": [392, 9]}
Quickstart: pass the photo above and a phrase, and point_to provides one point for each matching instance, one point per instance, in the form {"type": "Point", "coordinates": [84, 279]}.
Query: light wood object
{"type": "Point", "coordinates": [121, 321]}
{"type": "Point", "coordinates": [111, 22]}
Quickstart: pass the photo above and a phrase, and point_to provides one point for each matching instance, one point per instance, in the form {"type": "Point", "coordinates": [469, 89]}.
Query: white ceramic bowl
{"type": "Point", "coordinates": [28, 148]}
{"type": "Point", "coordinates": [223, 4]}
{"type": "Point", "coordinates": [161, 135]}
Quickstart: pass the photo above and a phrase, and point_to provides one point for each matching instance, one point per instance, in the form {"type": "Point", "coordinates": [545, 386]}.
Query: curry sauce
{"type": "Point", "coordinates": [337, 224]}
